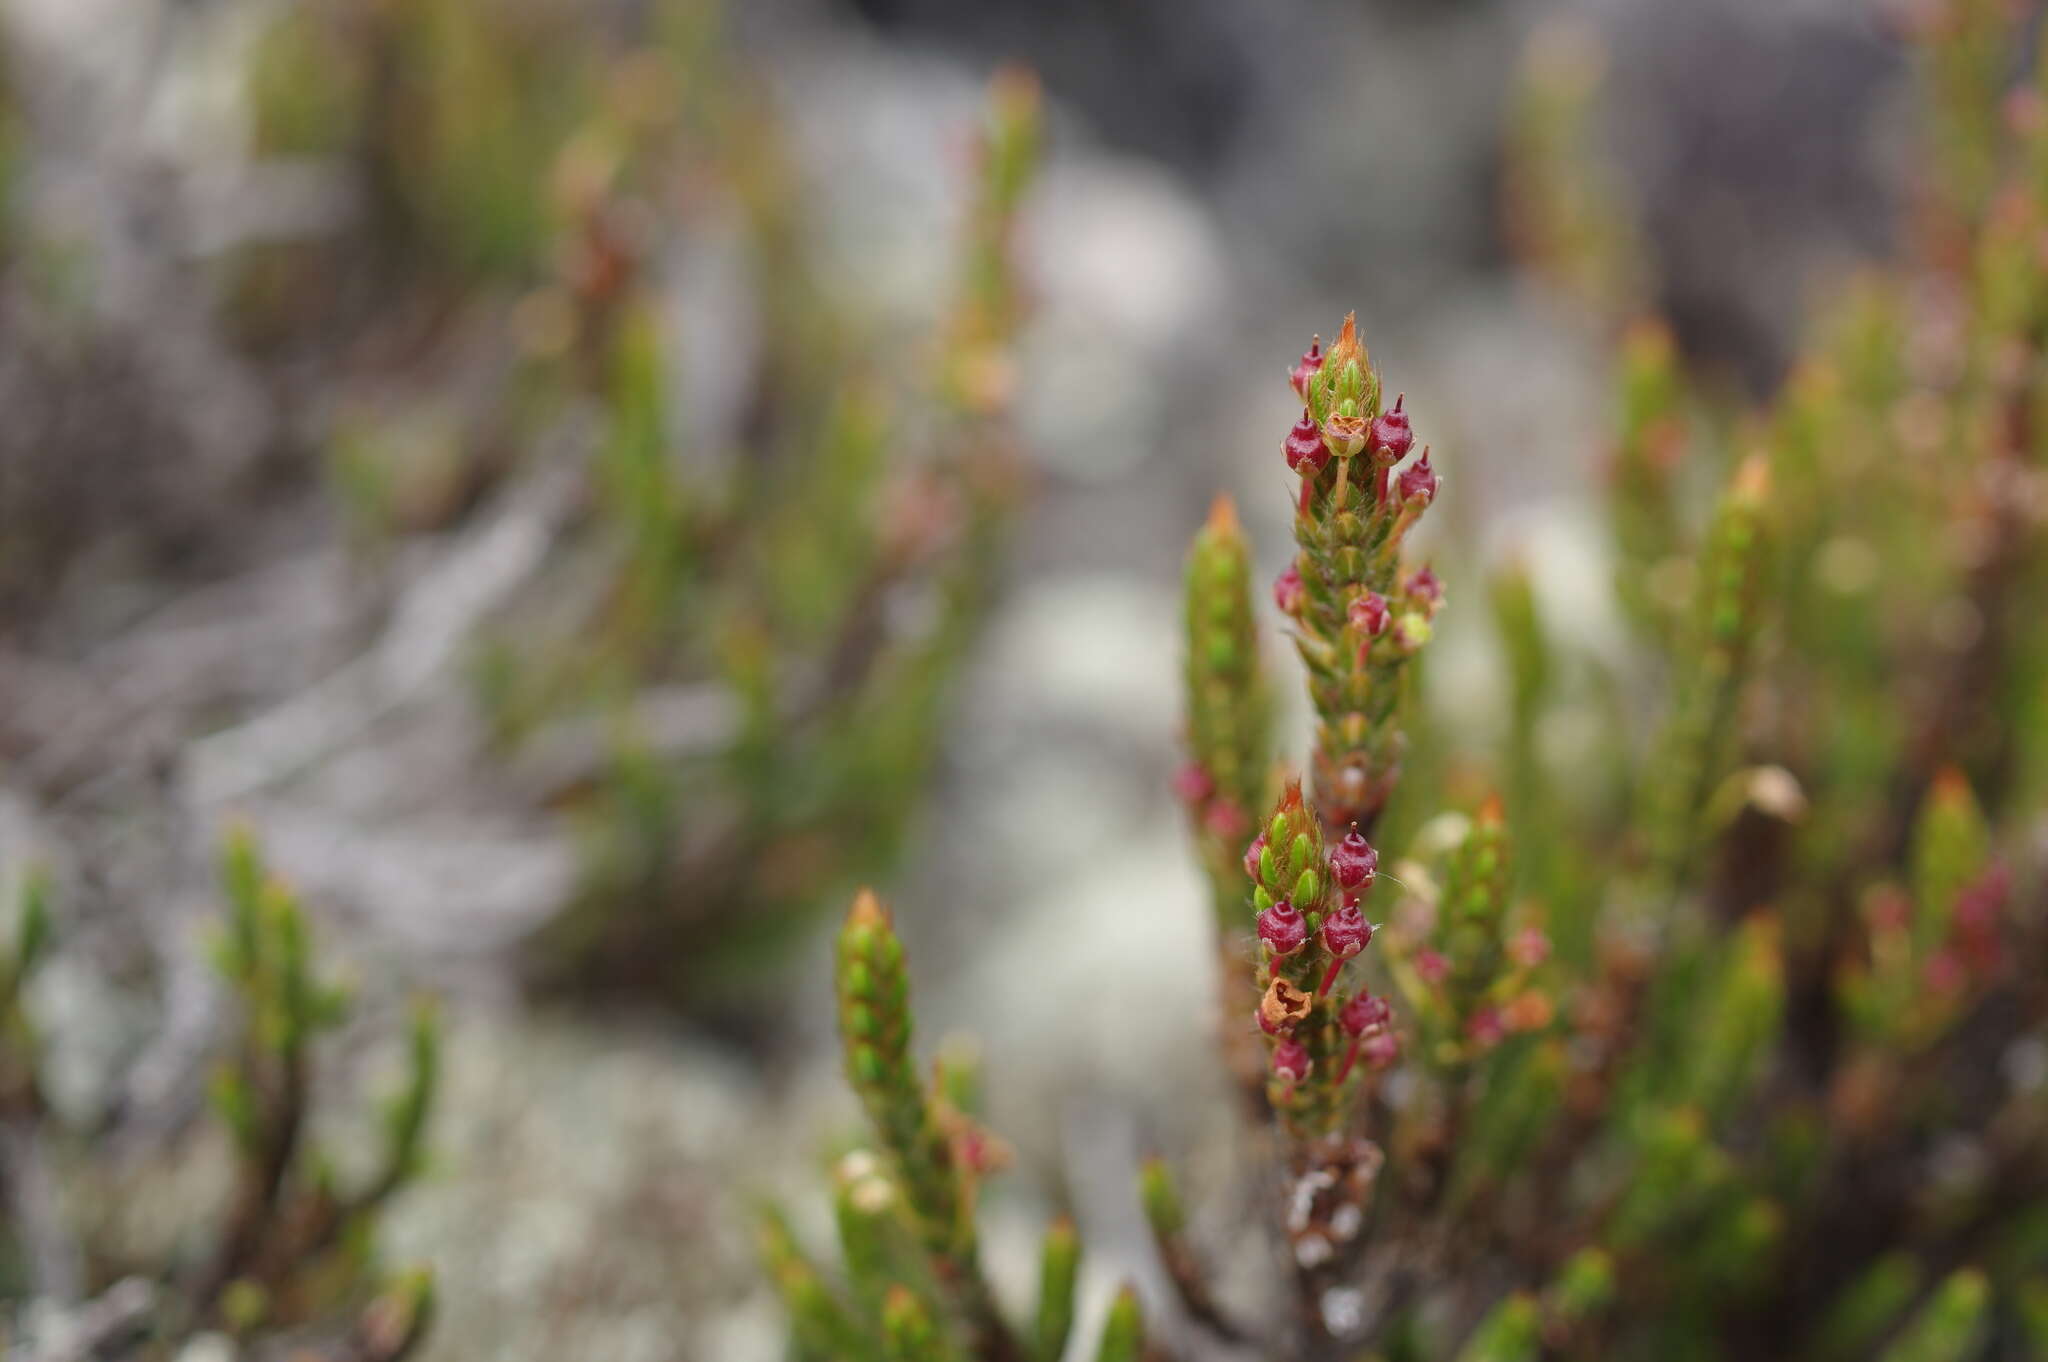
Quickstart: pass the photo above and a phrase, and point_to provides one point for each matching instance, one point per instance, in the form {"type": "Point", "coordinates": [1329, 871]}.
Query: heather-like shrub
{"type": "Point", "coordinates": [729, 679]}
{"type": "Point", "coordinates": [1717, 1032]}
{"type": "Point", "coordinates": [289, 1260]}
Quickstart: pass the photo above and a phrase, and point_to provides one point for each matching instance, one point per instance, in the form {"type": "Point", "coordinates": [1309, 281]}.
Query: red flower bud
{"type": "Point", "coordinates": [1369, 614]}
{"type": "Point", "coordinates": [1304, 447]}
{"type": "Point", "coordinates": [1345, 933]}
{"type": "Point", "coordinates": [1193, 783]}
{"type": "Point", "coordinates": [1431, 966]}
{"type": "Point", "coordinates": [1419, 481]}
{"type": "Point", "coordinates": [1288, 592]}
{"type": "Point", "coordinates": [1381, 1049]}
{"type": "Point", "coordinates": [1486, 1027]}
{"type": "Point", "coordinates": [1306, 369]}
{"type": "Point", "coordinates": [1392, 436]}
{"type": "Point", "coordinates": [1251, 855]}
{"type": "Point", "coordinates": [1291, 1061]}
{"type": "Point", "coordinates": [1363, 1013]}
{"type": "Point", "coordinates": [1283, 929]}
{"type": "Point", "coordinates": [1354, 863]}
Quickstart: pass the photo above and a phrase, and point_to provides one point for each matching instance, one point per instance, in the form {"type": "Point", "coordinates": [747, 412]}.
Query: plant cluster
{"type": "Point", "coordinates": [290, 1259]}
{"type": "Point", "coordinates": [1716, 1031]}
{"type": "Point", "coordinates": [754, 610]}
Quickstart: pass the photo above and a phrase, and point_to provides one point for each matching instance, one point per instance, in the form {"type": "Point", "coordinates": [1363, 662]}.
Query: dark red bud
{"type": "Point", "coordinates": [1311, 361]}
{"type": "Point", "coordinates": [1369, 614]}
{"type": "Point", "coordinates": [1419, 481]}
{"type": "Point", "coordinates": [1345, 933]}
{"type": "Point", "coordinates": [1353, 861]}
{"type": "Point", "coordinates": [1251, 855]}
{"type": "Point", "coordinates": [1304, 447]}
{"type": "Point", "coordinates": [1392, 437]}
{"type": "Point", "coordinates": [1363, 1013]}
{"type": "Point", "coordinates": [1193, 783]}
{"type": "Point", "coordinates": [1284, 930]}
{"type": "Point", "coordinates": [1288, 592]}
{"type": "Point", "coordinates": [1291, 1061]}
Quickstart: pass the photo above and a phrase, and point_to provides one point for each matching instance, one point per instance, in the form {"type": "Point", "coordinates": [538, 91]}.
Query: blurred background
{"type": "Point", "coordinates": [587, 483]}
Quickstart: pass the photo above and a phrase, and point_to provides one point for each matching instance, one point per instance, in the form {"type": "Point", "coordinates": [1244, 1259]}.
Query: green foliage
{"type": "Point", "coordinates": [732, 676]}
{"type": "Point", "coordinates": [1359, 618]}
{"type": "Point", "coordinates": [1227, 780]}
{"type": "Point", "coordinates": [288, 1219]}
{"type": "Point", "coordinates": [768, 586]}
{"type": "Point", "coordinates": [922, 1191]}
{"type": "Point", "coordinates": [291, 1248]}
{"type": "Point", "coordinates": [1947, 1328]}
{"type": "Point", "coordinates": [1059, 1271]}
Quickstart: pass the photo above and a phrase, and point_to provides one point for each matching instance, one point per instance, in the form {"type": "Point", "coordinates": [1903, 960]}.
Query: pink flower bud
{"type": "Point", "coordinates": [1311, 361]}
{"type": "Point", "coordinates": [1291, 1061]}
{"type": "Point", "coordinates": [1979, 910]}
{"type": "Point", "coordinates": [1982, 903]}
{"type": "Point", "coordinates": [1888, 910]}
{"type": "Point", "coordinates": [1353, 862]}
{"type": "Point", "coordinates": [1288, 592]}
{"type": "Point", "coordinates": [1369, 614]}
{"type": "Point", "coordinates": [1419, 481]}
{"type": "Point", "coordinates": [1346, 932]}
{"type": "Point", "coordinates": [1363, 1013]}
{"type": "Point", "coordinates": [1431, 967]}
{"type": "Point", "coordinates": [1486, 1028]}
{"type": "Point", "coordinates": [1193, 783]}
{"type": "Point", "coordinates": [1225, 820]}
{"type": "Point", "coordinates": [1381, 1049]}
{"type": "Point", "coordinates": [1529, 948]}
{"type": "Point", "coordinates": [975, 1150]}
{"type": "Point", "coordinates": [1424, 589]}
{"type": "Point", "coordinates": [1944, 973]}
{"type": "Point", "coordinates": [1392, 436]}
{"type": "Point", "coordinates": [1304, 447]}
{"type": "Point", "coordinates": [1251, 855]}
{"type": "Point", "coordinates": [1284, 930]}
